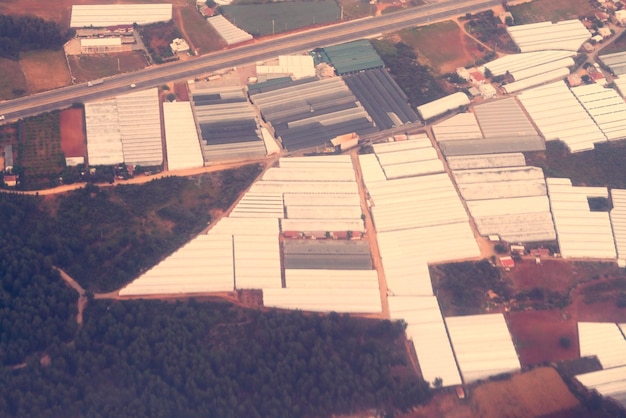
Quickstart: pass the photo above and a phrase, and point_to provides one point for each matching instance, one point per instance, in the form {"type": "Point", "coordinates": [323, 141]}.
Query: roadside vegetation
{"type": "Point", "coordinates": [489, 30]}
{"type": "Point", "coordinates": [552, 10]}
{"type": "Point", "coordinates": [157, 38]}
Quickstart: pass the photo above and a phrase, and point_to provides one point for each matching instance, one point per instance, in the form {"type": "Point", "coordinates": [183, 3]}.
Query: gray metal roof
{"type": "Point", "coordinates": [493, 145]}
{"type": "Point", "coordinates": [353, 56]}
{"type": "Point", "coordinates": [502, 118]}
{"type": "Point", "coordinates": [327, 254]}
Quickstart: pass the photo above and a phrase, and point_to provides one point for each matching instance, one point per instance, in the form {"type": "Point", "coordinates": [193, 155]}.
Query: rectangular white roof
{"type": "Point", "coordinates": [571, 212]}
{"type": "Point", "coordinates": [257, 261]}
{"type": "Point", "coordinates": [536, 80]}
{"type": "Point", "coordinates": [325, 224]}
{"type": "Point", "coordinates": [324, 300]}
{"type": "Point", "coordinates": [515, 63]}
{"type": "Point", "coordinates": [503, 118]}
{"type": "Point", "coordinates": [566, 35]}
{"type": "Point", "coordinates": [140, 127]}
{"type": "Point", "coordinates": [458, 127]}
{"type": "Point", "coordinates": [427, 332]}
{"type": "Point", "coordinates": [606, 108]}
{"type": "Point", "coordinates": [181, 137]}
{"type": "Point", "coordinates": [469, 162]}
{"type": "Point", "coordinates": [229, 32]}
{"type": "Point", "coordinates": [102, 15]}
{"type": "Point", "coordinates": [441, 106]}
{"type": "Point", "coordinates": [618, 221]}
{"type": "Point", "coordinates": [604, 340]}
{"type": "Point", "coordinates": [559, 115]}
{"type": "Point", "coordinates": [299, 66]}
{"type": "Point", "coordinates": [331, 279]}
{"type": "Point", "coordinates": [482, 345]}
{"type": "Point", "coordinates": [610, 383]}
{"type": "Point", "coordinates": [104, 140]}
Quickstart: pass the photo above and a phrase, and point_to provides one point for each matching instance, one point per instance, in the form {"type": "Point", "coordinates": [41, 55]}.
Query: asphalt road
{"type": "Point", "coordinates": [246, 54]}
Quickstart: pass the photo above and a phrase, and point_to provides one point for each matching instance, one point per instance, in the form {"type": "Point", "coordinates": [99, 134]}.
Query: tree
{"type": "Point", "coordinates": [438, 382]}
{"type": "Point", "coordinates": [565, 342]}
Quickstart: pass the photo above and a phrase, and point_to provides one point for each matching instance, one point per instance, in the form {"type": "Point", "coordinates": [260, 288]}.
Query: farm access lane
{"type": "Point", "coordinates": [246, 54]}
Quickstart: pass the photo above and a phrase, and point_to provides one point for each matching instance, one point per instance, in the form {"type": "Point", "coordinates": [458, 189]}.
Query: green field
{"type": "Point", "coordinates": [552, 10]}
{"type": "Point", "coordinates": [12, 81]}
{"type": "Point", "coordinates": [265, 19]}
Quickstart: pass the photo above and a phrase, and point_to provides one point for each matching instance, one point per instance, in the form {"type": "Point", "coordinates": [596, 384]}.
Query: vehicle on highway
{"type": "Point", "coordinates": [1, 117]}
{"type": "Point", "coordinates": [132, 86]}
{"type": "Point", "coordinates": [94, 82]}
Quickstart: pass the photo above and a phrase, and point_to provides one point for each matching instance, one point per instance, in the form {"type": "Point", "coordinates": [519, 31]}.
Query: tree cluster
{"type": "Point", "coordinates": [25, 33]}
{"type": "Point", "coordinates": [414, 79]}
{"type": "Point", "coordinates": [156, 359]}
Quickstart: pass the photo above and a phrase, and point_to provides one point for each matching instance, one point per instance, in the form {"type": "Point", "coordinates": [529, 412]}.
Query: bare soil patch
{"type": "Point", "coordinates": [538, 393]}
{"type": "Point", "coordinates": [597, 300]}
{"type": "Point", "coordinates": [444, 404]}
{"type": "Point", "coordinates": [45, 70]}
{"type": "Point", "coordinates": [91, 67]}
{"type": "Point", "coordinates": [202, 37]}
{"type": "Point", "coordinates": [538, 336]}
{"type": "Point", "coordinates": [12, 80]}
{"type": "Point", "coordinates": [72, 132]}
{"type": "Point", "coordinates": [553, 274]}
{"type": "Point", "coordinates": [182, 94]}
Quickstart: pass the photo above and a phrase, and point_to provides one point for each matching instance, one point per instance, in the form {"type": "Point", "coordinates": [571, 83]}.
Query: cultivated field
{"type": "Point", "coordinates": [543, 336]}
{"type": "Point", "coordinates": [45, 70]}
{"type": "Point", "coordinates": [553, 10]}
{"type": "Point", "coordinates": [198, 32]}
{"type": "Point", "coordinates": [538, 393]}
{"type": "Point", "coordinates": [265, 19]}
{"type": "Point", "coordinates": [460, 49]}
{"type": "Point", "coordinates": [91, 67]}
{"type": "Point", "coordinates": [40, 153]}
{"type": "Point", "coordinates": [12, 80]}
{"type": "Point", "coordinates": [601, 300]}
{"type": "Point", "coordinates": [72, 132]}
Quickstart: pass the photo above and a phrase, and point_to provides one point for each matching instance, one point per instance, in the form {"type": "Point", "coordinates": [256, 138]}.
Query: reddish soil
{"type": "Point", "coordinates": [596, 301]}
{"type": "Point", "coordinates": [72, 132]}
{"type": "Point", "coordinates": [537, 336]}
{"type": "Point", "coordinates": [182, 94]}
{"type": "Point", "coordinates": [91, 67]}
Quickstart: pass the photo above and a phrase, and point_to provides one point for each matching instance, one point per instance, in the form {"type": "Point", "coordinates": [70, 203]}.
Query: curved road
{"type": "Point", "coordinates": [257, 51]}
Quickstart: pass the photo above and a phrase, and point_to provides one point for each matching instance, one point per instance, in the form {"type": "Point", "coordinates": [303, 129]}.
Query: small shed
{"type": "Point", "coordinates": [507, 262]}
{"type": "Point", "coordinates": [8, 158]}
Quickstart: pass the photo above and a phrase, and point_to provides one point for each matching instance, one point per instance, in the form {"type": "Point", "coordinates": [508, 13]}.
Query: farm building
{"type": "Point", "coordinates": [459, 127]}
{"type": "Point", "coordinates": [616, 62]}
{"type": "Point", "coordinates": [566, 35]}
{"type": "Point", "coordinates": [308, 113]}
{"type": "Point", "coordinates": [8, 158]}
{"type": "Point", "coordinates": [227, 122]}
{"type": "Point", "coordinates": [103, 15]}
{"type": "Point", "coordinates": [179, 45]}
{"type": "Point", "coordinates": [510, 202]}
{"type": "Point", "coordinates": [230, 33]}
{"type": "Point", "coordinates": [483, 346]}
{"type": "Point", "coordinates": [469, 162]}
{"type": "Point", "coordinates": [560, 116]}
{"type": "Point", "coordinates": [618, 223]}
{"type": "Point", "coordinates": [525, 64]}
{"type": "Point", "coordinates": [139, 118]}
{"type": "Point", "coordinates": [440, 106]}
{"type": "Point", "coordinates": [580, 232]}
{"type": "Point", "coordinates": [298, 66]}
{"type": "Point", "coordinates": [181, 137]}
{"type": "Point", "coordinates": [609, 383]}
{"type": "Point", "coordinates": [104, 139]}
{"type": "Point", "coordinates": [103, 45]}
{"type": "Point", "coordinates": [606, 107]}
{"type": "Point", "coordinates": [351, 57]}
{"type": "Point", "coordinates": [381, 97]}
{"type": "Point", "coordinates": [427, 332]}
{"type": "Point", "coordinates": [603, 340]}
{"type": "Point", "coordinates": [327, 254]}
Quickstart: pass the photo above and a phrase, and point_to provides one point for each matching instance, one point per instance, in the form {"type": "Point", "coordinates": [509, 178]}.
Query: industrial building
{"type": "Point", "coordinates": [580, 232]}
{"type": "Point", "coordinates": [102, 15]}
{"type": "Point", "coordinates": [483, 346]}
{"type": "Point", "coordinates": [296, 66]}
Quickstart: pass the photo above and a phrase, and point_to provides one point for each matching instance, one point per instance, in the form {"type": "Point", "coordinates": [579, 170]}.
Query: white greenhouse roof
{"type": "Point", "coordinates": [261, 205]}
{"type": "Point", "coordinates": [257, 261]}
{"type": "Point", "coordinates": [308, 199]}
{"type": "Point", "coordinates": [104, 140]}
{"type": "Point", "coordinates": [102, 15]}
{"type": "Point", "coordinates": [325, 224]}
{"type": "Point", "coordinates": [544, 68]}
{"type": "Point", "coordinates": [229, 32]}
{"type": "Point", "coordinates": [181, 137]}
{"type": "Point", "coordinates": [458, 127]}
{"type": "Point", "coordinates": [139, 117]}
{"type": "Point", "coordinates": [371, 169]}
{"type": "Point", "coordinates": [620, 84]}
{"type": "Point", "coordinates": [616, 62]}
{"type": "Point", "coordinates": [542, 78]}
{"type": "Point", "coordinates": [440, 106]}
{"type": "Point", "coordinates": [580, 232]}
{"type": "Point", "coordinates": [503, 118]}
{"type": "Point", "coordinates": [427, 331]}
{"type": "Point", "coordinates": [469, 162]}
{"type": "Point", "coordinates": [91, 42]}
{"type": "Point", "coordinates": [205, 264]}
{"type": "Point", "coordinates": [324, 300]}
{"type": "Point", "coordinates": [606, 108]}
{"type": "Point", "coordinates": [566, 35]}
{"type": "Point", "coordinates": [618, 221]}
{"type": "Point", "coordinates": [331, 279]}
{"type": "Point", "coordinates": [604, 340]}
{"type": "Point", "coordinates": [515, 63]}
{"type": "Point", "coordinates": [483, 346]}
{"type": "Point", "coordinates": [299, 65]}
{"type": "Point", "coordinates": [246, 226]}
{"type": "Point", "coordinates": [609, 383]}
{"type": "Point", "coordinates": [558, 115]}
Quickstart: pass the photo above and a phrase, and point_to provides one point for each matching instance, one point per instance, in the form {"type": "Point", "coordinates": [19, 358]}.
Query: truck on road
{"type": "Point", "coordinates": [94, 82]}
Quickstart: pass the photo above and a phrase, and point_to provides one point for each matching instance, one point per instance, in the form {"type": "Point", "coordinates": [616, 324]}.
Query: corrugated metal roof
{"type": "Point", "coordinates": [482, 345]}
{"type": "Point", "coordinates": [493, 145]}
{"type": "Point", "coordinates": [604, 340]}
{"type": "Point", "coordinates": [618, 221]}
{"type": "Point", "coordinates": [324, 300]}
{"type": "Point", "coordinates": [610, 383]}
{"type": "Point", "coordinates": [558, 115]}
{"type": "Point", "coordinates": [459, 127]}
{"type": "Point", "coordinates": [102, 15]}
{"type": "Point", "coordinates": [519, 62]}
{"type": "Point", "coordinates": [570, 207]}
{"type": "Point", "coordinates": [440, 106]}
{"type": "Point", "coordinates": [353, 56]}
{"type": "Point", "coordinates": [104, 140]}
{"type": "Point", "coordinates": [503, 118]}
{"type": "Point", "coordinates": [566, 35]}
{"type": "Point", "coordinates": [181, 137]}
{"type": "Point", "coordinates": [331, 279]}
{"type": "Point", "coordinates": [427, 331]}
{"type": "Point", "coordinates": [140, 127]}
{"type": "Point", "coordinates": [469, 162]}
{"type": "Point", "coordinates": [536, 80]}
{"type": "Point", "coordinates": [616, 62]}
{"type": "Point", "coordinates": [229, 32]}
{"type": "Point", "coordinates": [606, 108]}
{"type": "Point", "coordinates": [298, 65]}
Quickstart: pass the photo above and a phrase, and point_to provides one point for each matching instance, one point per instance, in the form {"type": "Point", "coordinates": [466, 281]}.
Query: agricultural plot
{"type": "Point", "coordinates": [460, 49]}
{"type": "Point", "coordinates": [266, 19]}
{"type": "Point", "coordinates": [157, 38]}
{"type": "Point", "coordinates": [91, 67]}
{"type": "Point", "coordinates": [201, 35]}
{"type": "Point", "coordinates": [39, 151]}
{"type": "Point", "coordinates": [12, 80]}
{"type": "Point", "coordinates": [489, 30]}
{"type": "Point", "coordinates": [552, 10]}
{"type": "Point", "coordinates": [45, 70]}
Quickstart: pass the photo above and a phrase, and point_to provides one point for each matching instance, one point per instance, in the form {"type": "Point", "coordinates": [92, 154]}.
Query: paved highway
{"type": "Point", "coordinates": [246, 54]}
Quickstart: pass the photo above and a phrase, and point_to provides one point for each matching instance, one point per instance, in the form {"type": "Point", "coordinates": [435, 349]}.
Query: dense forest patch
{"type": "Point", "coordinates": [25, 33]}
